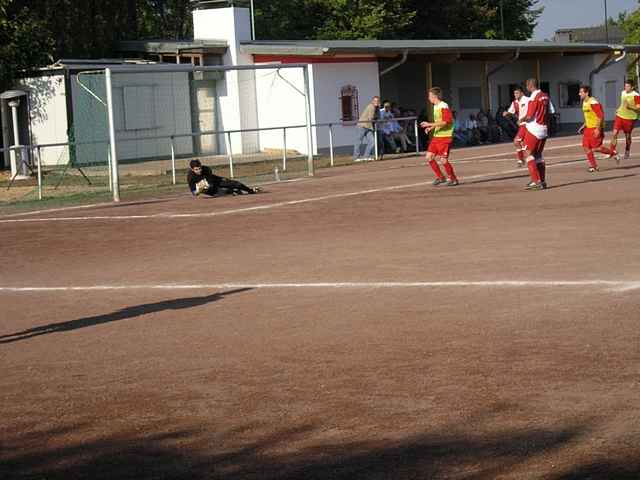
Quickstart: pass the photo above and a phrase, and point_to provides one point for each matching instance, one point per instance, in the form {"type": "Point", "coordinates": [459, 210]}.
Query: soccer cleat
{"type": "Point", "coordinates": [453, 182]}
{"type": "Point", "coordinates": [544, 185]}
{"type": "Point", "coordinates": [627, 155]}
{"type": "Point", "coordinates": [616, 157]}
{"type": "Point", "coordinates": [535, 186]}
{"type": "Point", "coordinates": [593, 169]}
{"type": "Point", "coordinates": [520, 163]}
{"type": "Point", "coordinates": [438, 181]}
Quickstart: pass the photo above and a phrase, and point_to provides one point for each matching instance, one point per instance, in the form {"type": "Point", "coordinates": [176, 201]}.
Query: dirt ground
{"type": "Point", "coordinates": [358, 325]}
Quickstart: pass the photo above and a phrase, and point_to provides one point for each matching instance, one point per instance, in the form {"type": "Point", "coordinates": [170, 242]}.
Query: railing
{"type": "Point", "coordinates": [36, 150]}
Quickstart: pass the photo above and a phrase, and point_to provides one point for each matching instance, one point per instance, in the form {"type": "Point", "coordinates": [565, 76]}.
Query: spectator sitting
{"type": "Point", "coordinates": [389, 128]}
{"type": "Point", "coordinates": [459, 131]}
{"type": "Point", "coordinates": [495, 134]}
{"type": "Point", "coordinates": [483, 126]}
{"type": "Point", "coordinates": [473, 132]}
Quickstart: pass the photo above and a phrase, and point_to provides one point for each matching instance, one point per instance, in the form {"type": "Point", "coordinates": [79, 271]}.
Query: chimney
{"type": "Point", "coordinates": [228, 20]}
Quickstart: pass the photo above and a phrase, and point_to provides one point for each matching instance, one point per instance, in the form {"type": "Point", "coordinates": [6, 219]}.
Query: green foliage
{"type": "Point", "coordinates": [630, 23]}
{"type": "Point", "coordinates": [25, 42]}
{"type": "Point", "coordinates": [395, 19]}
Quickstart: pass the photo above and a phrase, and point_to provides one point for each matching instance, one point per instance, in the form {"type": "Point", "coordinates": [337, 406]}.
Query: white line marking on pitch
{"type": "Point", "coordinates": [617, 285]}
{"type": "Point", "coordinates": [256, 208]}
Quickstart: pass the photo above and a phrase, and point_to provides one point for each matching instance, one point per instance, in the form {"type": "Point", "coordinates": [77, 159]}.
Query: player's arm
{"type": "Point", "coordinates": [597, 109]}
{"type": "Point", "coordinates": [531, 113]}
{"type": "Point", "coordinates": [447, 119]}
{"type": "Point", "coordinates": [510, 111]}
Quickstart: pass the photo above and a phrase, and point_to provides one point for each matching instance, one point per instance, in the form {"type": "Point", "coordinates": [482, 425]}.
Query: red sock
{"type": "Point", "coordinates": [449, 169]}
{"type": "Point", "coordinates": [592, 160]}
{"type": "Point", "coordinates": [542, 171]}
{"type": "Point", "coordinates": [606, 151]}
{"type": "Point", "coordinates": [533, 171]}
{"type": "Point", "coordinates": [520, 155]}
{"type": "Point", "coordinates": [436, 169]}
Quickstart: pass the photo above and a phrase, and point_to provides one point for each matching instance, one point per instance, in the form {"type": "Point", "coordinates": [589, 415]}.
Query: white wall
{"type": "Point", "coordinates": [236, 93]}
{"type": "Point", "coordinates": [281, 103]}
{"type": "Point", "coordinates": [47, 97]}
{"type": "Point", "coordinates": [328, 79]}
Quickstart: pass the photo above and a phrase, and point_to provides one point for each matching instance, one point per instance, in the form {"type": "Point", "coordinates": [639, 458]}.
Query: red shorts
{"type": "Point", "coordinates": [624, 125]}
{"type": "Point", "coordinates": [522, 131]}
{"type": "Point", "coordinates": [535, 145]}
{"type": "Point", "coordinates": [440, 146]}
{"type": "Point", "coordinates": [590, 141]}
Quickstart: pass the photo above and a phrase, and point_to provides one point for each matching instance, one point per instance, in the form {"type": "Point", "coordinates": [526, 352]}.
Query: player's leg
{"type": "Point", "coordinates": [518, 141]}
{"type": "Point", "coordinates": [451, 174]}
{"type": "Point", "coordinates": [236, 187]}
{"type": "Point", "coordinates": [540, 164]}
{"type": "Point", "coordinates": [589, 142]}
{"type": "Point", "coordinates": [628, 137]}
{"type": "Point", "coordinates": [433, 163]}
{"type": "Point", "coordinates": [531, 144]}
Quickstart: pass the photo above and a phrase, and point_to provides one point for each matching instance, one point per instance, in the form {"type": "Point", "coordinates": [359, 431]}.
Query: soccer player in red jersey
{"type": "Point", "coordinates": [442, 127]}
{"type": "Point", "coordinates": [593, 127]}
{"type": "Point", "coordinates": [518, 109]}
{"type": "Point", "coordinates": [536, 124]}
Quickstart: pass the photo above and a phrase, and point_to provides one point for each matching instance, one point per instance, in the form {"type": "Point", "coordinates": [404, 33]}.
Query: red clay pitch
{"type": "Point", "coordinates": [456, 382]}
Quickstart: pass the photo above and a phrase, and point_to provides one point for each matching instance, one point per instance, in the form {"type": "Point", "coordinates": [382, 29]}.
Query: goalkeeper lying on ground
{"type": "Point", "coordinates": [202, 181]}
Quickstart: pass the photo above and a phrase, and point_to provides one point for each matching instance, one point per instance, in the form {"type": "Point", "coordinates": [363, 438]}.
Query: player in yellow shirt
{"type": "Point", "coordinates": [440, 145]}
{"type": "Point", "coordinates": [626, 117]}
{"type": "Point", "coordinates": [593, 127]}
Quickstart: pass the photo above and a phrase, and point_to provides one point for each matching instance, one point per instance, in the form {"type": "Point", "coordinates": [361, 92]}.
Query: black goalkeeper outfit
{"type": "Point", "coordinates": [216, 184]}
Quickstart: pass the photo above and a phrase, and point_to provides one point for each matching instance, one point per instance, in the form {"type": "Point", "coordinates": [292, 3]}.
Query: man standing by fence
{"type": "Point", "coordinates": [365, 131]}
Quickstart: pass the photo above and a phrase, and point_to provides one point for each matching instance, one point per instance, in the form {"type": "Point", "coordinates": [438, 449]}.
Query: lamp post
{"type": "Point", "coordinates": [18, 170]}
{"type": "Point", "coordinates": [606, 21]}
{"type": "Point", "coordinates": [502, 17]}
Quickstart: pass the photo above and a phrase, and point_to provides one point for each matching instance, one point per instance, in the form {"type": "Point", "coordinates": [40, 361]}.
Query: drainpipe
{"type": "Point", "coordinates": [402, 61]}
{"type": "Point", "coordinates": [606, 63]}
{"type": "Point", "coordinates": [495, 70]}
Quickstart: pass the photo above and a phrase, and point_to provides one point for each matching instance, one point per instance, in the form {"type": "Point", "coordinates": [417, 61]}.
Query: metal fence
{"type": "Point", "coordinates": [97, 177]}
{"type": "Point", "coordinates": [135, 126]}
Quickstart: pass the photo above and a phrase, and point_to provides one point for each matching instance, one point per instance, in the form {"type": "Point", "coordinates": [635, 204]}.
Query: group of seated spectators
{"type": "Point", "coordinates": [395, 136]}
{"type": "Point", "coordinates": [483, 128]}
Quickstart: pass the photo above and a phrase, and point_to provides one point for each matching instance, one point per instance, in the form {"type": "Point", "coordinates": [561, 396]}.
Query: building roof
{"type": "Point", "coordinates": [591, 34]}
{"type": "Point", "coordinates": [395, 47]}
{"type": "Point", "coordinates": [173, 47]}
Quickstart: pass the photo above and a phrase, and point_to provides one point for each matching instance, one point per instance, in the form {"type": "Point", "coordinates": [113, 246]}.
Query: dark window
{"type": "Point", "coordinates": [349, 103]}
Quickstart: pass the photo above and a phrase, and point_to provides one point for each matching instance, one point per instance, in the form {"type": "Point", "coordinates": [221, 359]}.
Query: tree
{"type": "Point", "coordinates": [25, 43]}
{"type": "Point", "coordinates": [630, 23]}
{"type": "Point", "coordinates": [395, 19]}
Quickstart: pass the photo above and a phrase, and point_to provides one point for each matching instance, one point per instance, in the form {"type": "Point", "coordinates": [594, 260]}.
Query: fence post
{"type": "Point", "coordinates": [230, 155]}
{"type": "Point", "coordinates": [417, 137]}
{"type": "Point", "coordinates": [112, 137]}
{"type": "Point", "coordinates": [39, 172]}
{"type": "Point", "coordinates": [307, 107]}
{"type": "Point", "coordinates": [284, 149]}
{"type": "Point", "coordinates": [375, 141]}
{"type": "Point", "coordinates": [173, 160]}
{"type": "Point", "coordinates": [331, 144]}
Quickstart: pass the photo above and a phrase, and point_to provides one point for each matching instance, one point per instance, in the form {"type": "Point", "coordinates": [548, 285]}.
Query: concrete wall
{"type": "Point", "coordinates": [47, 98]}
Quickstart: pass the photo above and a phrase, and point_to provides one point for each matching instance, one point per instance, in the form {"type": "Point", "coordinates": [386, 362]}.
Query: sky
{"type": "Point", "coordinates": [576, 13]}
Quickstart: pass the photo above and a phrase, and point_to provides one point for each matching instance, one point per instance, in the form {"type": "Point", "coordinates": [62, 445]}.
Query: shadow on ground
{"type": "Point", "coordinates": [122, 314]}
{"type": "Point", "coordinates": [198, 454]}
